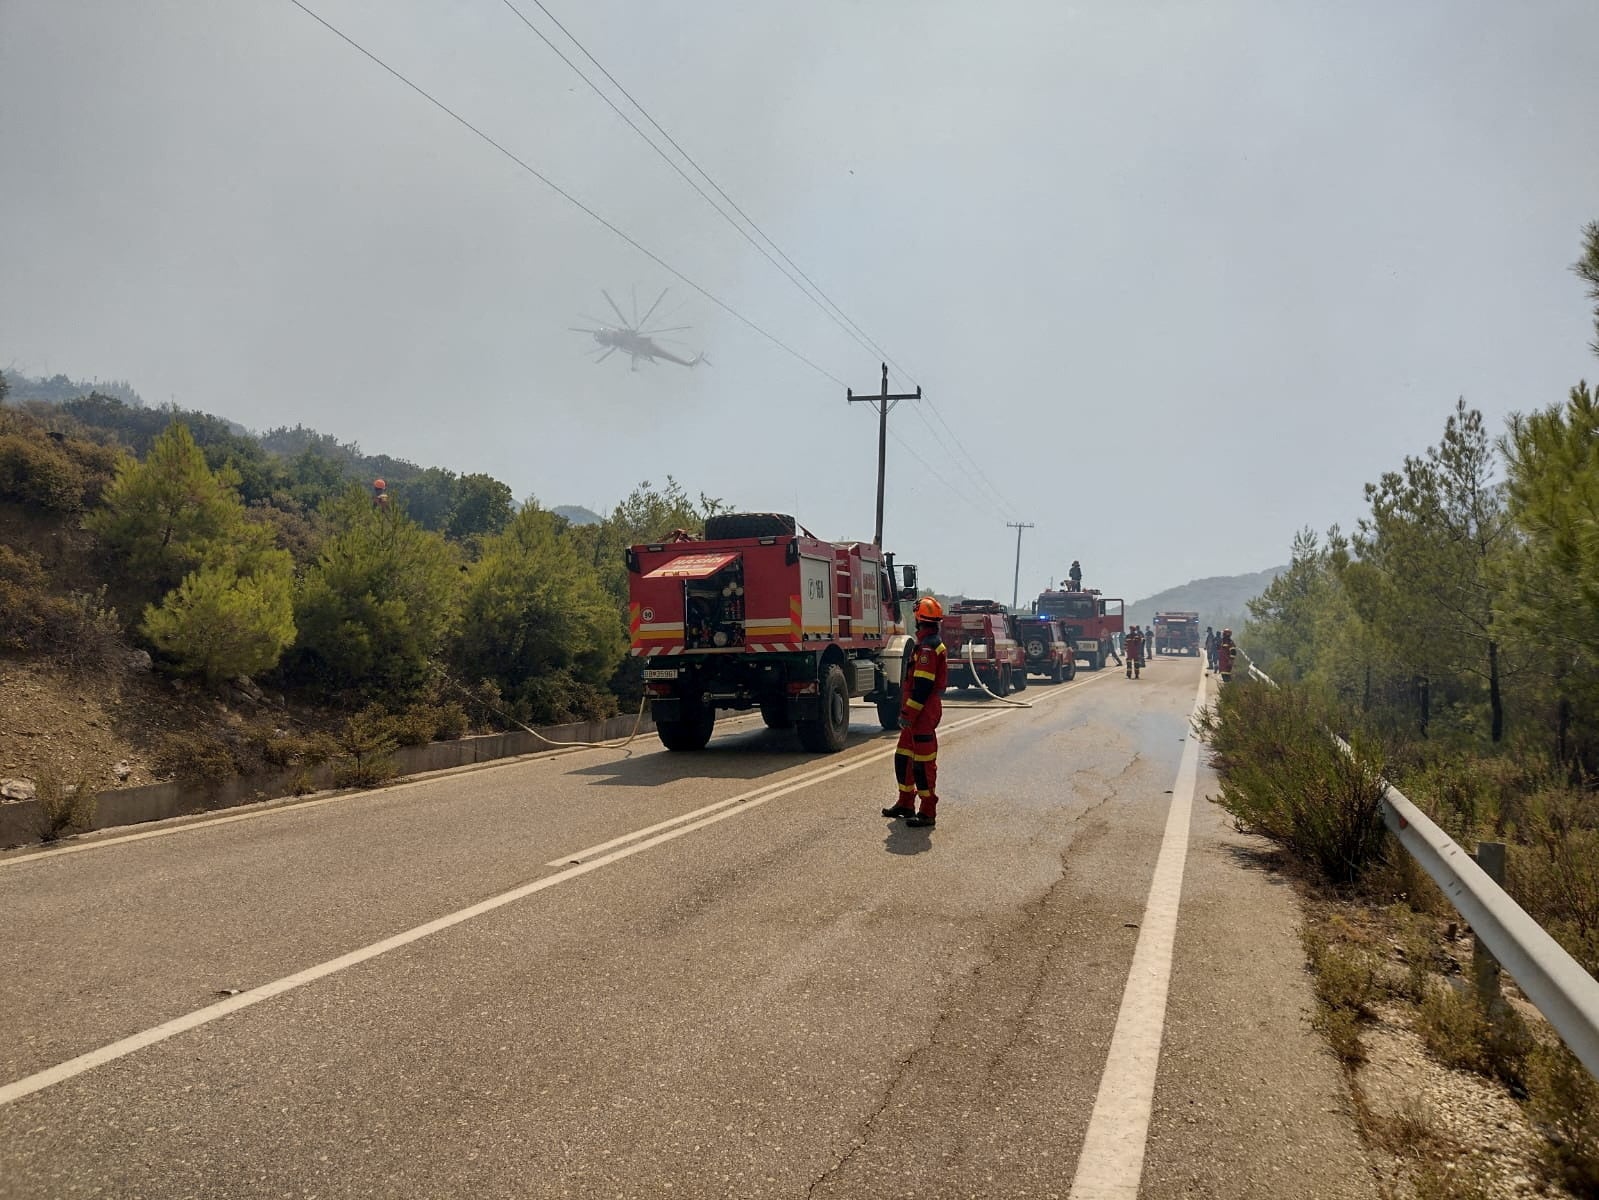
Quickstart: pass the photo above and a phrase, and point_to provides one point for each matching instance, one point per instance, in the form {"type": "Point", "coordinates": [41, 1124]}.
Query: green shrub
{"type": "Point", "coordinates": [65, 805]}
{"type": "Point", "coordinates": [1563, 1100]}
{"type": "Point", "coordinates": [1283, 777]}
{"type": "Point", "coordinates": [424, 723]}
{"type": "Point", "coordinates": [368, 740]}
{"type": "Point", "coordinates": [1345, 974]}
{"type": "Point", "coordinates": [1456, 1029]}
{"type": "Point", "coordinates": [220, 624]}
{"type": "Point", "coordinates": [1341, 1028]}
{"type": "Point", "coordinates": [1440, 1181]}
{"type": "Point", "coordinates": [75, 629]}
{"type": "Point", "coordinates": [35, 471]}
{"type": "Point", "coordinates": [318, 747]}
{"type": "Point", "coordinates": [193, 758]}
{"type": "Point", "coordinates": [413, 727]}
{"type": "Point", "coordinates": [1345, 979]}
{"type": "Point", "coordinates": [1553, 869]}
{"type": "Point", "coordinates": [449, 721]}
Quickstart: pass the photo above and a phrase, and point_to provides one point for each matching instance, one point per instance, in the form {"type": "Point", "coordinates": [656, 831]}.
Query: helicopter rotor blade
{"type": "Point", "coordinates": [615, 309]}
{"type": "Point", "coordinates": [575, 329]}
{"type": "Point", "coordinates": [653, 307]}
{"type": "Point", "coordinates": [668, 329]}
{"type": "Point", "coordinates": [606, 355]}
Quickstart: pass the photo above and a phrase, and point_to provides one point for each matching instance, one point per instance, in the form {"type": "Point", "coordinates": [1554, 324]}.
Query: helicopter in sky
{"type": "Point", "coordinates": [634, 338]}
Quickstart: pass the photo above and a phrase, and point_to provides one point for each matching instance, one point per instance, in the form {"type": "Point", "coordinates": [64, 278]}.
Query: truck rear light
{"type": "Point", "coordinates": [658, 689]}
{"type": "Point", "coordinates": [800, 687]}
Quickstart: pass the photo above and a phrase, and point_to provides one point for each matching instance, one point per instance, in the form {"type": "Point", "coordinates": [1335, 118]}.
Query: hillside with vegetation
{"type": "Point", "coordinates": [180, 596]}
{"type": "Point", "coordinates": [1220, 600]}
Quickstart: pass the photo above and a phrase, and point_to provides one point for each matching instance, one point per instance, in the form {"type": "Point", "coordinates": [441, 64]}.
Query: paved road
{"type": "Point", "coordinates": [640, 974]}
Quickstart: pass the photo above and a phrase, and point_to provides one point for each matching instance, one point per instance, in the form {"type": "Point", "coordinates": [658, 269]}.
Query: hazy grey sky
{"type": "Point", "coordinates": [1179, 276]}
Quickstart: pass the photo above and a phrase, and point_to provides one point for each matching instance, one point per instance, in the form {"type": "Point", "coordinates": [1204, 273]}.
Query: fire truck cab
{"type": "Point", "coordinates": [759, 614]}
{"type": "Point", "coordinates": [1092, 620]}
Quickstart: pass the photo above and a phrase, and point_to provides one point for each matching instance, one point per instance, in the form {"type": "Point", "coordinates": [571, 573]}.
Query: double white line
{"type": "Point", "coordinates": [574, 866]}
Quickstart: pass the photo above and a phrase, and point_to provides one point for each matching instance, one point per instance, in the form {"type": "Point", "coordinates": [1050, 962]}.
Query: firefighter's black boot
{"type": "Point", "coordinates": [899, 810]}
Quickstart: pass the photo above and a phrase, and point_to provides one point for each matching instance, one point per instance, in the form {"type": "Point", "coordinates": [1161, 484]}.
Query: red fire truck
{"type": "Point", "coordinates": [1177, 633]}
{"type": "Point", "coordinates": [1091, 619]}
{"type": "Point", "coordinates": [760, 614]}
{"type": "Point", "coordinates": [980, 643]}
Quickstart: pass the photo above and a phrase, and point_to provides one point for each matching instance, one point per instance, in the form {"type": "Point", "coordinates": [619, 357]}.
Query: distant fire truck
{"type": "Point", "coordinates": [981, 647]}
{"type": "Point", "coordinates": [1091, 619]}
{"type": "Point", "coordinates": [1176, 633]}
{"type": "Point", "coordinates": [760, 614]}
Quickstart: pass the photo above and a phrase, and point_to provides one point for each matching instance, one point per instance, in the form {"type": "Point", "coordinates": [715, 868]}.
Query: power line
{"type": "Point", "coordinates": [1004, 506]}
{"type": "Point", "coordinates": [567, 196]}
{"type": "Point", "coordinates": [864, 343]}
{"type": "Point", "coordinates": [953, 489]}
{"type": "Point", "coordinates": [842, 320]}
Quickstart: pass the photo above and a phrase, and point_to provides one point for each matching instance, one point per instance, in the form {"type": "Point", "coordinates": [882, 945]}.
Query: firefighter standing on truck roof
{"type": "Point", "coordinates": [916, 758]}
{"type": "Point", "coordinates": [1076, 576]}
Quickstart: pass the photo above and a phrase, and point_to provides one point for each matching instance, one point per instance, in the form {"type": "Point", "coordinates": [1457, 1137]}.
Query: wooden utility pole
{"type": "Point", "coordinates": [1016, 584]}
{"type": "Point", "coordinates": [884, 402]}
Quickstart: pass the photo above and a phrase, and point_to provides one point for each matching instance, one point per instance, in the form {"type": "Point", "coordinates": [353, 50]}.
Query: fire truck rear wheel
{"type": "Point", "coordinates": [689, 732]}
{"type": "Point", "coordinates": [1018, 679]}
{"type": "Point", "coordinates": [828, 733]}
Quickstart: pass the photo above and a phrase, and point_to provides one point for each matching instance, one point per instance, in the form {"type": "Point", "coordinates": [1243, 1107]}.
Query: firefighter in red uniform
{"type": "Point", "coordinates": [1225, 654]}
{"type": "Point", "coordinates": [916, 758]}
{"type": "Point", "coordinates": [1135, 652]}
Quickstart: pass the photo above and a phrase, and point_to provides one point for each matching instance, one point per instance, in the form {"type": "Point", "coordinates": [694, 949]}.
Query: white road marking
{"type": "Point", "coordinates": [816, 774]}
{"type": "Point", "coordinates": [74, 1067]}
{"type": "Point", "coordinates": [1112, 1158]}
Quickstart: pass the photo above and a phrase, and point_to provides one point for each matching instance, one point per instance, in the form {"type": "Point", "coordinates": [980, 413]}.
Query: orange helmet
{"type": "Point", "coordinates": [378, 485]}
{"type": "Point", "coordinates": [928, 609]}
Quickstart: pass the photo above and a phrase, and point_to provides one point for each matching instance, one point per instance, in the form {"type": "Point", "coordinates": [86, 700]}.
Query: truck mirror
{"type": "Point", "coordinates": [910, 580]}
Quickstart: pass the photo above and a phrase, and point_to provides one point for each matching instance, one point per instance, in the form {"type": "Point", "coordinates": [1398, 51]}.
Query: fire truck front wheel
{"type": "Point", "coordinates": [889, 695]}
{"type": "Point", "coordinates": [828, 732]}
{"type": "Point", "coordinates": [690, 731]}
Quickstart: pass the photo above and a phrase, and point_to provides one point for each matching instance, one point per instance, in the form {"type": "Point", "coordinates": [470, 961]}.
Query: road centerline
{"type": "Point", "coordinates": [83, 1063]}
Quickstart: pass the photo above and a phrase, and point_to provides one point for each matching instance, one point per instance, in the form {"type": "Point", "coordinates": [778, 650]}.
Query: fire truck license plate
{"type": "Point", "coordinates": [661, 673]}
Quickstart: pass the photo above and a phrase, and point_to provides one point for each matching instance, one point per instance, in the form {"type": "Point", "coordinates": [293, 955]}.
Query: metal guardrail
{"type": "Point", "coordinates": [1562, 991]}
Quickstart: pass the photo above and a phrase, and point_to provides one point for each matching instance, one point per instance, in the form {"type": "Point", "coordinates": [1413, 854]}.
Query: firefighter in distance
{"type": "Point", "coordinates": [916, 757]}
{"type": "Point", "coordinates": [1226, 655]}
{"type": "Point", "coordinates": [1135, 652]}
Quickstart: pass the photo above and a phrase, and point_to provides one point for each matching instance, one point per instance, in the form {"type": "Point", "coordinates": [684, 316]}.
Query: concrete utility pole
{"type": "Point", "coordinates": [1016, 584]}
{"type": "Point", "coordinates": [884, 402]}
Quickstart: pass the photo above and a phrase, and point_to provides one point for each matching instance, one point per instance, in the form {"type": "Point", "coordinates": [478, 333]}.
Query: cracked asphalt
{"type": "Point", "coordinates": [799, 999]}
